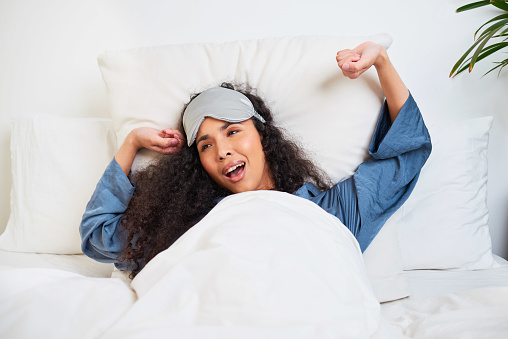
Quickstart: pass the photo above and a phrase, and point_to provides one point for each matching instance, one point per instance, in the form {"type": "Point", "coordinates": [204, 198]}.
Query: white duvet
{"type": "Point", "coordinates": [266, 263]}
{"type": "Point", "coordinates": [259, 265]}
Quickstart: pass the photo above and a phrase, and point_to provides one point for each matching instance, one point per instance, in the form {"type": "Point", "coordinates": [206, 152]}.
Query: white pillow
{"type": "Point", "coordinates": [333, 117]}
{"type": "Point", "coordinates": [444, 223]}
{"type": "Point", "coordinates": [56, 163]}
{"type": "Point", "coordinates": [383, 265]}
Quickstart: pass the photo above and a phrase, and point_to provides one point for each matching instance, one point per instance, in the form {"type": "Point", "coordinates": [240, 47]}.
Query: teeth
{"type": "Point", "coordinates": [234, 167]}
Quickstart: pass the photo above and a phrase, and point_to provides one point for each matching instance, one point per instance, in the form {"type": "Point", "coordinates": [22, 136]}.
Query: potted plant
{"type": "Point", "coordinates": [496, 28]}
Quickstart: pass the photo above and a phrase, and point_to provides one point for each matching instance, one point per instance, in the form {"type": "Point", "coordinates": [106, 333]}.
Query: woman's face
{"type": "Point", "coordinates": [233, 156]}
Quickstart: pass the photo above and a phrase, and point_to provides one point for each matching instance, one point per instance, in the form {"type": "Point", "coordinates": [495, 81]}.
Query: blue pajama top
{"type": "Point", "coordinates": [362, 203]}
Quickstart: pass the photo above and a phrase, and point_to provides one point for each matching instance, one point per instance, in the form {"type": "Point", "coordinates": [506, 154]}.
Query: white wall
{"type": "Point", "coordinates": [48, 55]}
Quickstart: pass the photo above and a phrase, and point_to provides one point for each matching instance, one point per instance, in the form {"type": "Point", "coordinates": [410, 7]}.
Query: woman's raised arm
{"type": "Point", "coordinates": [356, 61]}
{"type": "Point", "coordinates": [166, 141]}
{"type": "Point", "coordinates": [99, 228]}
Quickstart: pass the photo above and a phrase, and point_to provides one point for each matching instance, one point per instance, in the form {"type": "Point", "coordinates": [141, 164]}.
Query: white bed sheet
{"type": "Point", "coordinates": [453, 304]}
{"type": "Point", "coordinates": [434, 283]}
{"type": "Point", "coordinates": [76, 263]}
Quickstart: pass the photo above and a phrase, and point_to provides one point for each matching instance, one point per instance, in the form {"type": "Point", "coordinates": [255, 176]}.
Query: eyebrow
{"type": "Point", "coordinates": [222, 128]}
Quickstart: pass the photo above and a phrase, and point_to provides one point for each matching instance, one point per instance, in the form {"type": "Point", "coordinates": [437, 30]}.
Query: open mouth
{"type": "Point", "coordinates": [235, 171]}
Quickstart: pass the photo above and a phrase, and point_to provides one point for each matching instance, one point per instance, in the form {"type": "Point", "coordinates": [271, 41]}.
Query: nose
{"type": "Point", "coordinates": [222, 157]}
{"type": "Point", "coordinates": [224, 150]}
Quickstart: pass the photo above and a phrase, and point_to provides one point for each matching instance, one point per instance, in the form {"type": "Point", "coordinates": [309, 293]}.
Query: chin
{"type": "Point", "coordinates": [241, 189]}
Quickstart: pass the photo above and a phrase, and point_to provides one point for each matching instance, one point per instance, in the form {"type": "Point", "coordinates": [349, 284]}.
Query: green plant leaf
{"type": "Point", "coordinates": [504, 64]}
{"type": "Point", "coordinates": [495, 27]}
{"type": "Point", "coordinates": [502, 34]}
{"type": "Point", "coordinates": [499, 17]}
{"type": "Point", "coordinates": [480, 48]}
{"type": "Point", "coordinates": [458, 63]}
{"type": "Point", "coordinates": [485, 53]}
{"type": "Point", "coordinates": [473, 5]}
{"type": "Point", "coordinates": [501, 4]}
{"type": "Point", "coordinates": [493, 48]}
{"type": "Point", "coordinates": [501, 64]}
{"type": "Point", "coordinates": [465, 66]}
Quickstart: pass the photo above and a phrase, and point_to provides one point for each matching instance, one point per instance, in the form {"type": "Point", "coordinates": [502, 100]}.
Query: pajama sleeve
{"type": "Point", "coordinates": [100, 226]}
{"type": "Point", "coordinates": [383, 182]}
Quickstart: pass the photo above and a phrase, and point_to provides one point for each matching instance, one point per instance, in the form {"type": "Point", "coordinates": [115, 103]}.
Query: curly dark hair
{"type": "Point", "coordinates": [174, 192]}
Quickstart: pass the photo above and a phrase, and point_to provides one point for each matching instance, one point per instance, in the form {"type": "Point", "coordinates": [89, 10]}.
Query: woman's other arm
{"type": "Point", "coordinates": [356, 61]}
{"type": "Point", "coordinates": [100, 226]}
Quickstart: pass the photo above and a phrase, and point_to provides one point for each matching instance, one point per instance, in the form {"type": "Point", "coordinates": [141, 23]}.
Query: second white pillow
{"type": "Point", "coordinates": [444, 223]}
{"type": "Point", "coordinates": [56, 163]}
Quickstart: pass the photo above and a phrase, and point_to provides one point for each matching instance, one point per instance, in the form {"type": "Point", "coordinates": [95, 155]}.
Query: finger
{"type": "Point", "coordinates": [343, 51]}
{"type": "Point", "coordinates": [350, 63]}
{"type": "Point", "coordinates": [168, 146]}
{"type": "Point", "coordinates": [182, 141]}
{"type": "Point", "coordinates": [179, 135]}
{"type": "Point", "coordinates": [350, 67]}
{"type": "Point", "coordinates": [161, 142]}
{"type": "Point", "coordinates": [168, 132]}
{"type": "Point", "coordinates": [345, 55]}
{"type": "Point", "coordinates": [354, 75]}
{"type": "Point", "coordinates": [349, 75]}
{"type": "Point", "coordinates": [345, 58]}
{"type": "Point", "coordinates": [345, 73]}
{"type": "Point", "coordinates": [344, 63]}
{"type": "Point", "coordinates": [176, 135]}
{"type": "Point", "coordinates": [173, 132]}
{"type": "Point", "coordinates": [172, 142]}
{"type": "Point", "coordinates": [348, 54]}
{"type": "Point", "coordinates": [356, 66]}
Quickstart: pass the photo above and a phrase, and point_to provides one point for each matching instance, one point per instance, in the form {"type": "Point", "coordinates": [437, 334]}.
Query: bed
{"type": "Point", "coordinates": [261, 264]}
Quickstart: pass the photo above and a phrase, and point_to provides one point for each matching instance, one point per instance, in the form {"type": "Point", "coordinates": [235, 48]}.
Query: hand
{"type": "Point", "coordinates": [167, 141]}
{"type": "Point", "coordinates": [356, 61]}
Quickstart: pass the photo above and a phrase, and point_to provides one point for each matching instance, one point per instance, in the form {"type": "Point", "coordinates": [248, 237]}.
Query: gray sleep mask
{"type": "Point", "coordinates": [218, 103]}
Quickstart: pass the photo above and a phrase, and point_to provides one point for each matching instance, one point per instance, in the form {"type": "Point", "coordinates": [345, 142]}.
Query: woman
{"type": "Point", "coordinates": [232, 147]}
